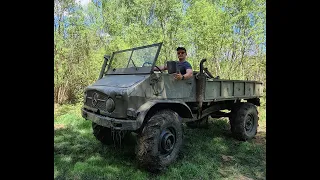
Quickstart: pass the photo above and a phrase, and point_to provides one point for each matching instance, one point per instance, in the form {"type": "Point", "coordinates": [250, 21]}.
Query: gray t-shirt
{"type": "Point", "coordinates": [183, 66]}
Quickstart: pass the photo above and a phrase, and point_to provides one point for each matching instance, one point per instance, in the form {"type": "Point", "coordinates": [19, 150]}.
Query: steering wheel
{"type": "Point", "coordinates": [158, 68]}
{"type": "Point", "coordinates": [151, 64]}
{"type": "Point", "coordinates": [146, 63]}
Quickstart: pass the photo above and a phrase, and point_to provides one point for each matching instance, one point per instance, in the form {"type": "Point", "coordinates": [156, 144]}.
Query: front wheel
{"type": "Point", "coordinates": [160, 141]}
{"type": "Point", "coordinates": [244, 121]}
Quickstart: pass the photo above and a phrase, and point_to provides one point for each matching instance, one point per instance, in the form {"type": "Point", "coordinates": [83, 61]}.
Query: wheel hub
{"type": "Point", "coordinates": [167, 141]}
{"type": "Point", "coordinates": [249, 123]}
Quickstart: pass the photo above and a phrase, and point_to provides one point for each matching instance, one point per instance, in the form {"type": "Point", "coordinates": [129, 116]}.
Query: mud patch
{"type": "Point", "coordinates": [59, 126]}
{"type": "Point", "coordinates": [242, 177]}
{"type": "Point", "coordinates": [227, 158]}
{"type": "Point", "coordinates": [260, 138]}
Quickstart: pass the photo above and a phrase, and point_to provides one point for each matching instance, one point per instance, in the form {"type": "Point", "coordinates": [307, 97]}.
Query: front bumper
{"type": "Point", "coordinates": [116, 124]}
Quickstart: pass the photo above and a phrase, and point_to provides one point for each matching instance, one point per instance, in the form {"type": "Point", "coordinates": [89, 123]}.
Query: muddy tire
{"type": "Point", "coordinates": [201, 123]}
{"type": "Point", "coordinates": [160, 141]}
{"type": "Point", "coordinates": [244, 121]}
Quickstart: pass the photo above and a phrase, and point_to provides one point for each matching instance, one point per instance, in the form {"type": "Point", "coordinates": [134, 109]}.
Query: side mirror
{"type": "Point", "coordinates": [106, 59]}
{"type": "Point", "coordinates": [172, 67]}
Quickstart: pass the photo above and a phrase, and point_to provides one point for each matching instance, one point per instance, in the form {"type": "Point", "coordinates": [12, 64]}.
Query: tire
{"type": "Point", "coordinates": [244, 121]}
{"type": "Point", "coordinates": [160, 141]}
{"type": "Point", "coordinates": [201, 123]}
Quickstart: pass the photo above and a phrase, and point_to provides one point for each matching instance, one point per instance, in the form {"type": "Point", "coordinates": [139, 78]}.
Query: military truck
{"type": "Point", "coordinates": [131, 97]}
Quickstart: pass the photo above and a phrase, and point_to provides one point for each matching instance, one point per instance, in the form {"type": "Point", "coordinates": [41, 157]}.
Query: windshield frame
{"type": "Point", "coordinates": [133, 70]}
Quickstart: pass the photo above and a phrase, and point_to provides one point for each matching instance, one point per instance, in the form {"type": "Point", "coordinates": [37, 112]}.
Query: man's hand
{"type": "Point", "coordinates": [177, 76]}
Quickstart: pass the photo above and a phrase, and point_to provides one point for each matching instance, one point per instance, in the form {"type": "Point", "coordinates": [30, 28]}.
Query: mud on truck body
{"type": "Point", "coordinates": [129, 96]}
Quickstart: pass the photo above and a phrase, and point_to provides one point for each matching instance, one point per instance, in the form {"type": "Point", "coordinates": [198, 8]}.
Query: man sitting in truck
{"type": "Point", "coordinates": [184, 67]}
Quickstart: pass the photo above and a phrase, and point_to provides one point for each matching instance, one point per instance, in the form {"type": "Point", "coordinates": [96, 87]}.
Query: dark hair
{"type": "Point", "coordinates": [181, 48]}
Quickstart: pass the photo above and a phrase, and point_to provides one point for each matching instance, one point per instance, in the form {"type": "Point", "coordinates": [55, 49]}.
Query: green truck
{"type": "Point", "coordinates": [130, 97]}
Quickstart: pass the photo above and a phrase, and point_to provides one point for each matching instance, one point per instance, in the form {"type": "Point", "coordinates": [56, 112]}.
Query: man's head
{"type": "Point", "coordinates": [182, 53]}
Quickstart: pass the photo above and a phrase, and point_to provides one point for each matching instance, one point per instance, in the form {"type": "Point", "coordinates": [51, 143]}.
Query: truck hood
{"type": "Point", "coordinates": [120, 81]}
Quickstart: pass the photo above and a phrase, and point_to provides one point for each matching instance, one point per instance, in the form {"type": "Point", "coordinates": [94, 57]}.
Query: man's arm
{"type": "Point", "coordinates": [188, 74]}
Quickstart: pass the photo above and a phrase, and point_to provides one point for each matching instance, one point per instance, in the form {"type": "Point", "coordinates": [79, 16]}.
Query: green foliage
{"type": "Point", "coordinates": [229, 34]}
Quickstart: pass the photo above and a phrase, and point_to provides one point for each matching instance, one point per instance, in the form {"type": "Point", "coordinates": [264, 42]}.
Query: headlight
{"type": "Point", "coordinates": [110, 105]}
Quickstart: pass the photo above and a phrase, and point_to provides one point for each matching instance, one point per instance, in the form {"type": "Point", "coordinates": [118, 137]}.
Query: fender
{"type": "Point", "coordinates": [179, 107]}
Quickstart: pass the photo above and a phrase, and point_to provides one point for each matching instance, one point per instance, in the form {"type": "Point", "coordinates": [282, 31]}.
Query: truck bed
{"type": "Point", "coordinates": [222, 89]}
{"type": "Point", "coordinates": [215, 89]}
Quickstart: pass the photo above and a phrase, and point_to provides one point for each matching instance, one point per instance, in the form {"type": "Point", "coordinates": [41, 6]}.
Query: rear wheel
{"type": "Point", "coordinates": [160, 141]}
{"type": "Point", "coordinates": [244, 121]}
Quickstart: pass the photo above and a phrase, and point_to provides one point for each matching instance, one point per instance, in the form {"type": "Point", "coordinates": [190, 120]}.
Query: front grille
{"type": "Point", "coordinates": [100, 98]}
{"type": "Point", "coordinates": [101, 95]}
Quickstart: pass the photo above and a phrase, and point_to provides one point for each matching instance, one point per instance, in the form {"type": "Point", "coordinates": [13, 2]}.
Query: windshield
{"type": "Point", "coordinates": [135, 60]}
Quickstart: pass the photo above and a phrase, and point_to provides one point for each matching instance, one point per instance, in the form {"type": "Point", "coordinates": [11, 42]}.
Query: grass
{"type": "Point", "coordinates": [207, 153]}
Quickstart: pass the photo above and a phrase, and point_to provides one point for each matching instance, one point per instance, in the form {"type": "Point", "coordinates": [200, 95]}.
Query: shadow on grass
{"type": "Point", "coordinates": [78, 155]}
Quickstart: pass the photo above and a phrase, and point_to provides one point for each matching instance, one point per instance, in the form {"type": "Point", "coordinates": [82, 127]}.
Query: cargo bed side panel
{"type": "Point", "coordinates": [229, 89]}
